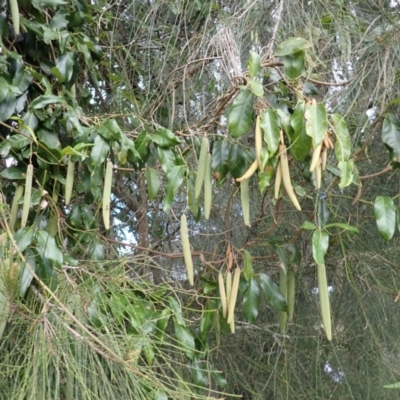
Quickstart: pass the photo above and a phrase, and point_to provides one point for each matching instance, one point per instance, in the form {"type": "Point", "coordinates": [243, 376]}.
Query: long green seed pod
{"type": "Point", "coordinates": [245, 200]}
{"type": "Point", "coordinates": [201, 170]}
{"type": "Point", "coordinates": [14, 10]}
{"type": "Point", "coordinates": [14, 207]}
{"type": "Point", "coordinates": [69, 182]}
{"type": "Point", "coordinates": [290, 290]}
{"type": "Point", "coordinates": [228, 284]}
{"type": "Point", "coordinates": [222, 293]}
{"type": "Point", "coordinates": [233, 297]}
{"type": "Point", "coordinates": [27, 195]}
{"type": "Point", "coordinates": [324, 301]}
{"type": "Point", "coordinates": [286, 176]}
{"type": "Point", "coordinates": [207, 188]}
{"type": "Point", "coordinates": [187, 255]}
{"type": "Point", "coordinates": [107, 194]}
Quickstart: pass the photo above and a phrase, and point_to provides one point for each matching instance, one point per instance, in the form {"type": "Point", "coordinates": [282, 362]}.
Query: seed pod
{"type": "Point", "coordinates": [258, 139]}
{"type": "Point", "coordinates": [69, 183]}
{"type": "Point", "coordinates": [324, 300]}
{"type": "Point", "coordinates": [233, 297]}
{"type": "Point", "coordinates": [27, 195]}
{"type": "Point", "coordinates": [252, 169]}
{"type": "Point", "coordinates": [187, 255]}
{"type": "Point", "coordinates": [228, 284]}
{"type": "Point", "coordinates": [278, 181]}
{"type": "Point", "coordinates": [19, 191]}
{"type": "Point", "coordinates": [15, 16]}
{"type": "Point", "coordinates": [286, 176]}
{"type": "Point", "coordinates": [201, 169]}
{"type": "Point", "coordinates": [232, 324]}
{"type": "Point", "coordinates": [207, 188]}
{"type": "Point", "coordinates": [316, 157]}
{"type": "Point", "coordinates": [283, 314]}
{"type": "Point", "coordinates": [222, 293]}
{"type": "Point", "coordinates": [107, 194]}
{"type": "Point", "coordinates": [245, 200]}
{"type": "Point", "coordinates": [290, 290]}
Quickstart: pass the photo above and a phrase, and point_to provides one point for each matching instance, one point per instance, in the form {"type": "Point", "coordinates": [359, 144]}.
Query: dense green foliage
{"type": "Point", "coordinates": [104, 108]}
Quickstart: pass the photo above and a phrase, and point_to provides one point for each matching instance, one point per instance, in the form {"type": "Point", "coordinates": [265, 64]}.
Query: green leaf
{"type": "Point", "coordinates": [269, 124]}
{"type": "Point", "coordinates": [99, 151]}
{"type": "Point", "coordinates": [64, 67]}
{"type": "Point", "coordinates": [207, 320]}
{"type": "Point", "coordinates": [391, 137]}
{"type": "Point", "coordinates": [254, 64]}
{"type": "Point", "coordinates": [316, 122]}
{"type": "Point", "coordinates": [24, 237]}
{"type": "Point", "coordinates": [185, 340]}
{"type": "Point", "coordinates": [248, 266]}
{"type": "Point", "coordinates": [164, 138]}
{"type": "Point", "coordinates": [342, 144]}
{"type": "Point", "coordinates": [18, 142]}
{"type": "Point", "coordinates": [167, 159]}
{"type": "Point", "coordinates": [7, 107]}
{"type": "Point", "coordinates": [251, 301]}
{"type": "Point", "coordinates": [236, 160]}
{"type": "Point", "coordinates": [294, 65]}
{"type": "Point", "coordinates": [346, 173]}
{"type": "Point", "coordinates": [284, 119]}
{"type": "Point", "coordinates": [323, 212]}
{"type": "Point", "coordinates": [308, 226]}
{"type": "Point", "coordinates": [219, 162]}
{"type": "Point", "coordinates": [142, 144]}
{"type": "Point", "coordinates": [177, 311]}
{"type": "Point", "coordinates": [320, 243]}
{"type": "Point", "coordinates": [27, 275]}
{"type": "Point", "coordinates": [174, 180]}
{"type": "Point", "coordinates": [45, 100]}
{"type": "Point", "coordinates": [241, 115]}
{"type": "Point", "coordinates": [393, 386]}
{"type": "Point", "coordinates": [162, 322]}
{"type": "Point", "coordinates": [4, 88]}
{"type": "Point", "coordinates": [291, 46]}
{"type": "Point", "coordinates": [385, 216]}
{"type": "Point", "coordinates": [273, 293]}
{"type": "Point", "coordinates": [342, 225]}
{"type": "Point", "coordinates": [50, 139]}
{"type": "Point", "coordinates": [110, 130]}
{"type": "Point", "coordinates": [153, 182]}
{"type": "Point", "coordinates": [12, 173]}
{"type": "Point", "coordinates": [300, 142]}
{"type": "Point", "coordinates": [256, 88]}
{"type": "Point", "coordinates": [48, 248]}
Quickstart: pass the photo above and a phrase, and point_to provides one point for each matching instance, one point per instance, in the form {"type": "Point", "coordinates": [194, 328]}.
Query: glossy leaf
{"type": "Point", "coordinates": [99, 151]}
{"type": "Point", "coordinates": [391, 137]}
{"type": "Point", "coordinates": [251, 300]}
{"type": "Point", "coordinates": [174, 180]}
{"type": "Point", "coordinates": [256, 88]}
{"type": "Point", "coordinates": [342, 143]}
{"type": "Point", "coordinates": [291, 46]}
{"type": "Point", "coordinates": [271, 289]}
{"type": "Point", "coordinates": [48, 248]}
{"type": "Point", "coordinates": [284, 120]}
{"type": "Point", "coordinates": [7, 107]}
{"type": "Point", "coordinates": [27, 275]}
{"type": "Point", "coordinates": [294, 65]}
{"type": "Point", "coordinates": [316, 122]}
{"type": "Point", "coordinates": [342, 225]}
{"type": "Point", "coordinates": [323, 212]}
{"type": "Point", "coordinates": [300, 142]}
{"type": "Point", "coordinates": [320, 243]}
{"type": "Point", "coordinates": [207, 320]}
{"type": "Point", "coordinates": [385, 216]}
{"type": "Point", "coordinates": [248, 265]}
{"type": "Point", "coordinates": [185, 340]}
{"type": "Point", "coordinates": [240, 116]}
{"type": "Point", "coordinates": [270, 126]}
{"type": "Point", "coordinates": [254, 64]}
{"type": "Point", "coordinates": [153, 182]}
{"type": "Point", "coordinates": [219, 163]}
{"type": "Point", "coordinates": [308, 226]}
{"type": "Point", "coordinates": [23, 238]}
{"type": "Point", "coordinates": [12, 173]}
{"type": "Point", "coordinates": [164, 138]}
{"type": "Point", "coordinates": [64, 67]}
{"type": "Point", "coordinates": [45, 100]}
{"type": "Point", "coordinates": [142, 144]}
{"type": "Point", "coordinates": [236, 160]}
{"type": "Point", "coordinates": [346, 173]}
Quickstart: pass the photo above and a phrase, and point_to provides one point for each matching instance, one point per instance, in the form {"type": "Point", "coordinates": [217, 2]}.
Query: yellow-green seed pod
{"type": "Point", "coordinates": [324, 301]}
{"type": "Point", "coordinates": [207, 188]}
{"type": "Point", "coordinates": [201, 170]}
{"type": "Point", "coordinates": [222, 292]}
{"type": "Point", "coordinates": [14, 10]}
{"type": "Point", "coordinates": [245, 200]}
{"type": "Point", "coordinates": [69, 182]}
{"type": "Point", "coordinates": [233, 296]}
{"type": "Point", "coordinates": [107, 195]}
{"type": "Point", "coordinates": [19, 191]}
{"type": "Point", "coordinates": [27, 195]}
{"type": "Point", "coordinates": [290, 289]}
{"type": "Point", "coordinates": [283, 314]}
{"type": "Point", "coordinates": [187, 255]}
